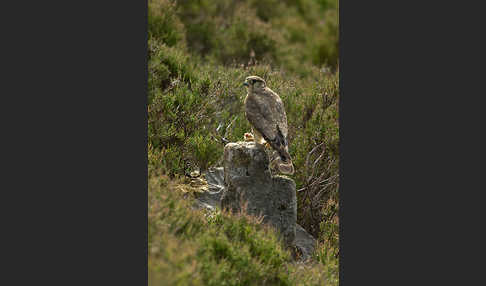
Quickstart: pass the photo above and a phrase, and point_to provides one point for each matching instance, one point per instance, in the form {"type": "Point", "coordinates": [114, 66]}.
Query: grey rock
{"type": "Point", "coordinates": [215, 179]}
{"type": "Point", "coordinates": [305, 242]}
{"type": "Point", "coordinates": [249, 183]}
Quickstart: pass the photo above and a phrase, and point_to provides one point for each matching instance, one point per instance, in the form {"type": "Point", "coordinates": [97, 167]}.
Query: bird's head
{"type": "Point", "coordinates": [254, 82]}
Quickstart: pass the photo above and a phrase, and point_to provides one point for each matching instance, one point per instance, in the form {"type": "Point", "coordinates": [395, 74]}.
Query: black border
{"type": "Point", "coordinates": [78, 86]}
{"type": "Point", "coordinates": [409, 128]}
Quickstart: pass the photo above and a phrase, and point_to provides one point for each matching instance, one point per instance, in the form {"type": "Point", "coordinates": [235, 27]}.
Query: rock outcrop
{"type": "Point", "coordinates": [245, 180]}
{"type": "Point", "coordinates": [250, 184]}
{"type": "Point", "coordinates": [211, 198]}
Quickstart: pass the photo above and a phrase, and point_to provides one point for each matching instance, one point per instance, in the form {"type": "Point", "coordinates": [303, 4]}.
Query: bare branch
{"type": "Point", "coordinates": [310, 153]}
{"type": "Point", "coordinates": [317, 161]}
{"type": "Point", "coordinates": [229, 125]}
{"type": "Point", "coordinates": [307, 160]}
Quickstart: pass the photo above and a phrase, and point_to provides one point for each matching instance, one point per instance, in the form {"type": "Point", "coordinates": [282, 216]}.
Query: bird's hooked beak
{"type": "Point", "coordinates": [246, 83]}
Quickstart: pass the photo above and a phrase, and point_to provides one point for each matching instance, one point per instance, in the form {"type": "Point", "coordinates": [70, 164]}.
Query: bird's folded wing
{"type": "Point", "coordinates": [261, 118]}
{"type": "Point", "coordinates": [267, 118]}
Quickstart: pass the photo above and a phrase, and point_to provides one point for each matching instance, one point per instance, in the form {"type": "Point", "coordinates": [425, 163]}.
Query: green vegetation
{"type": "Point", "coordinates": [199, 55]}
{"type": "Point", "coordinates": [188, 247]}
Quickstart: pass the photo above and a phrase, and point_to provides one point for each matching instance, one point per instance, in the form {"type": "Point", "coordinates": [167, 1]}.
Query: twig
{"type": "Point", "coordinates": [229, 125]}
{"type": "Point", "coordinates": [308, 157]}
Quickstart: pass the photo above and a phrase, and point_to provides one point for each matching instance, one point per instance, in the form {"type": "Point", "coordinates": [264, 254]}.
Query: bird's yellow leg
{"type": "Point", "coordinates": [259, 139]}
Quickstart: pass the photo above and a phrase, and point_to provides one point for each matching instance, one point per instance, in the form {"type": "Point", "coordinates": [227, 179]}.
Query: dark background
{"type": "Point", "coordinates": [74, 117]}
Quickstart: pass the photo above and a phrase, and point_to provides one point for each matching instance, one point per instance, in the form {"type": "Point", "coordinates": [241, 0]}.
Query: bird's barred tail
{"type": "Point", "coordinates": [286, 167]}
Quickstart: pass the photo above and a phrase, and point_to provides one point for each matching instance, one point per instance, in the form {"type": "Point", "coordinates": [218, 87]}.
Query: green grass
{"type": "Point", "coordinates": [190, 247]}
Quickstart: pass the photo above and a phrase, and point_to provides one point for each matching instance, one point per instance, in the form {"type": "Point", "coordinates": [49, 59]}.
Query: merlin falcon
{"type": "Point", "coordinates": [266, 113]}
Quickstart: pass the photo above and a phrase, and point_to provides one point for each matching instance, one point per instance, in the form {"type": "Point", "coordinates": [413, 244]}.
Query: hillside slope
{"type": "Point", "coordinates": [191, 247]}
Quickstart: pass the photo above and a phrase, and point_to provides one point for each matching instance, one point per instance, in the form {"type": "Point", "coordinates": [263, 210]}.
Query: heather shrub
{"type": "Point", "coordinates": [164, 24]}
{"type": "Point", "coordinates": [189, 247]}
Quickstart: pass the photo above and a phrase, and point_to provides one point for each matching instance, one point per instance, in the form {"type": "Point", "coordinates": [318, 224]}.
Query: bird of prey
{"type": "Point", "coordinates": [266, 113]}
